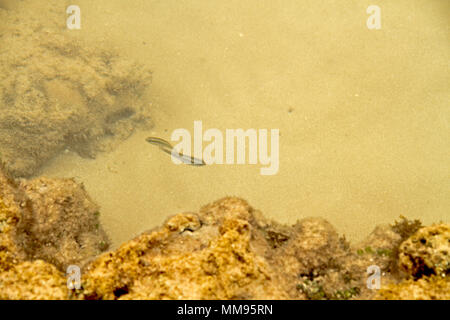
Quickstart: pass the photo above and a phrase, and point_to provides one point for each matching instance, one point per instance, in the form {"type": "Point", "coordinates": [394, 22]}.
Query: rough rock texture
{"type": "Point", "coordinates": [58, 93]}
{"type": "Point", "coordinates": [20, 279]}
{"type": "Point", "coordinates": [193, 256]}
{"type": "Point", "coordinates": [33, 280]}
{"type": "Point", "coordinates": [10, 213]}
{"type": "Point", "coordinates": [227, 250]}
{"type": "Point", "coordinates": [62, 226]}
{"type": "Point", "coordinates": [311, 260]}
{"type": "Point", "coordinates": [426, 288]}
{"type": "Point", "coordinates": [230, 251]}
{"type": "Point", "coordinates": [424, 261]}
{"type": "Point", "coordinates": [51, 220]}
{"type": "Point", "coordinates": [427, 252]}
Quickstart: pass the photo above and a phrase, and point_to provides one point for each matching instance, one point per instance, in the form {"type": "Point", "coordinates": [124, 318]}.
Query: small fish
{"type": "Point", "coordinates": [166, 147]}
{"type": "Point", "coordinates": [158, 141]}
{"type": "Point", "coordinates": [182, 157]}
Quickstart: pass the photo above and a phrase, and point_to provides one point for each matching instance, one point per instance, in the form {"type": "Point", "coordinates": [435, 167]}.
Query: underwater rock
{"type": "Point", "coordinates": [427, 252]}
{"type": "Point", "coordinates": [227, 250]}
{"type": "Point", "coordinates": [310, 255]}
{"type": "Point", "coordinates": [59, 93]}
{"type": "Point", "coordinates": [424, 260]}
{"type": "Point", "coordinates": [425, 288]}
{"type": "Point", "coordinates": [62, 226]}
{"type": "Point", "coordinates": [316, 242]}
{"type": "Point", "coordinates": [20, 279]}
{"type": "Point", "coordinates": [10, 214]}
{"type": "Point", "coordinates": [43, 219]}
{"type": "Point", "coordinates": [192, 256]}
{"type": "Point", "coordinates": [381, 248]}
{"type": "Point", "coordinates": [33, 280]}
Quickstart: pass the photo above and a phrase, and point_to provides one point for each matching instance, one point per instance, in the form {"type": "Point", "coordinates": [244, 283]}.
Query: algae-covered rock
{"type": "Point", "coordinates": [311, 255]}
{"type": "Point", "coordinates": [380, 249]}
{"type": "Point", "coordinates": [10, 213]}
{"type": "Point", "coordinates": [38, 218]}
{"type": "Point", "coordinates": [426, 288]}
{"type": "Point", "coordinates": [227, 250]}
{"type": "Point", "coordinates": [62, 226]}
{"type": "Point", "coordinates": [427, 252]}
{"type": "Point", "coordinates": [33, 280]}
{"type": "Point", "coordinates": [21, 279]}
{"type": "Point", "coordinates": [59, 93]}
{"type": "Point", "coordinates": [424, 259]}
{"type": "Point", "coordinates": [192, 256]}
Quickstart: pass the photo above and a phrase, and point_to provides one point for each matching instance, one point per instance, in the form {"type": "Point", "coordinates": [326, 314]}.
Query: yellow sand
{"type": "Point", "coordinates": [367, 138]}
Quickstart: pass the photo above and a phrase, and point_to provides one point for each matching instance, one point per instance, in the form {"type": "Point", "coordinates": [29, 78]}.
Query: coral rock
{"type": "Point", "coordinates": [426, 288]}
{"type": "Point", "coordinates": [202, 256]}
{"type": "Point", "coordinates": [43, 219]}
{"type": "Point", "coordinates": [59, 93]}
{"type": "Point", "coordinates": [427, 252]}
{"type": "Point", "coordinates": [62, 226]}
{"type": "Point", "coordinates": [36, 280]}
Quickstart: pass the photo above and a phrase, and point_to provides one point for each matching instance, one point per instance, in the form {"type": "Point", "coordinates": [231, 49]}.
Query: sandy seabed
{"type": "Point", "coordinates": [363, 114]}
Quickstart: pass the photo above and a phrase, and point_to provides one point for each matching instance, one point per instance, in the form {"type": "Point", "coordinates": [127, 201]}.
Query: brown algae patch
{"type": "Point", "coordinates": [59, 93]}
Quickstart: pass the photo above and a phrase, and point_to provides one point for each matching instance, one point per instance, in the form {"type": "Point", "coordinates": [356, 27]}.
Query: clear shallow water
{"type": "Point", "coordinates": [363, 114]}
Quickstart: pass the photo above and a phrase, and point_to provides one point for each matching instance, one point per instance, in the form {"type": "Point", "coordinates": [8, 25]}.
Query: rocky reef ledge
{"type": "Point", "coordinates": [227, 250]}
{"type": "Point", "coordinates": [60, 92]}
